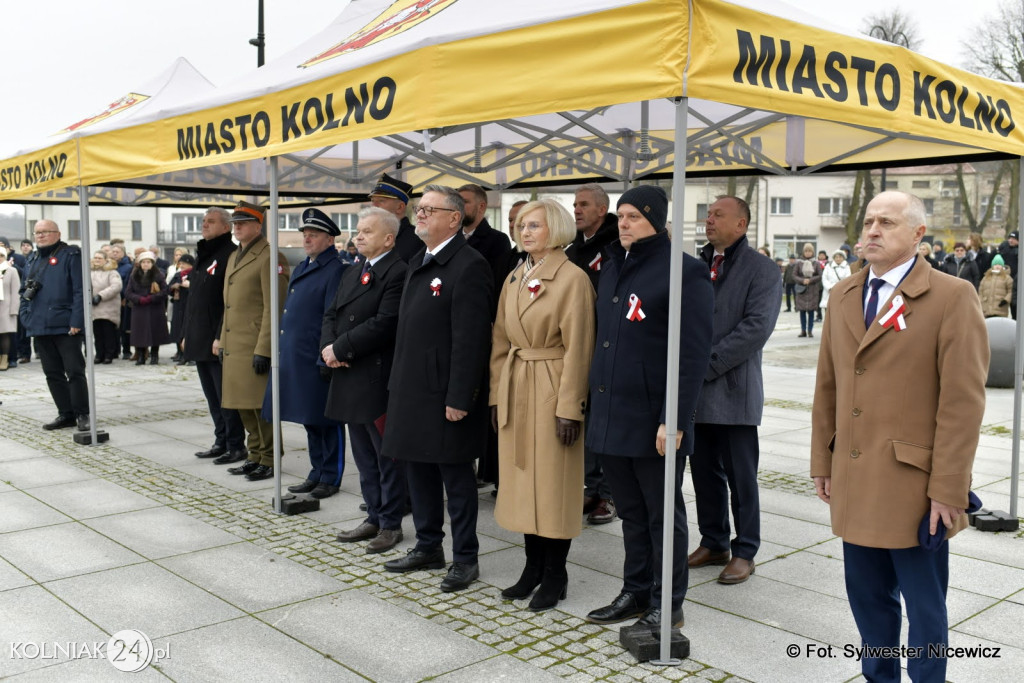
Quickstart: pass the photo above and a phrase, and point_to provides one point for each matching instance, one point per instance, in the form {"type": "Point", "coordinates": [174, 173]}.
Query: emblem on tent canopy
{"type": "Point", "coordinates": [126, 102]}
{"type": "Point", "coordinates": [399, 17]}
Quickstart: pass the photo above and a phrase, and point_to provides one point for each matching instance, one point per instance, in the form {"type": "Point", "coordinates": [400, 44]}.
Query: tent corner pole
{"type": "Point", "coordinates": [275, 324]}
{"type": "Point", "coordinates": [1018, 365]}
{"type": "Point", "coordinates": [87, 333]}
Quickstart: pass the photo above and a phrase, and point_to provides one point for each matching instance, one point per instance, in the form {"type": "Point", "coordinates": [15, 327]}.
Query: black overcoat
{"type": "Point", "coordinates": [360, 325]}
{"type": "Point", "coordinates": [628, 372]}
{"type": "Point", "coordinates": [442, 349]}
{"type": "Point", "coordinates": [407, 243]}
{"type": "Point", "coordinates": [205, 306]}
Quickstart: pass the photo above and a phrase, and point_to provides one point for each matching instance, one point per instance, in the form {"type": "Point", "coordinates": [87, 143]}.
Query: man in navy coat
{"type": "Point", "coordinates": [303, 376]}
{"type": "Point", "coordinates": [748, 296]}
{"type": "Point", "coordinates": [626, 424]}
{"type": "Point", "coordinates": [358, 342]}
{"type": "Point", "coordinates": [437, 402]}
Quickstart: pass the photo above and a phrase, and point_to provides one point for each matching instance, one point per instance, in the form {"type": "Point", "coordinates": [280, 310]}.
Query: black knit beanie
{"type": "Point", "coordinates": [651, 201]}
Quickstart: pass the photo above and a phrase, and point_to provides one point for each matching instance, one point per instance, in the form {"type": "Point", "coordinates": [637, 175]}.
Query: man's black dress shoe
{"type": "Point", "coordinates": [626, 606]}
{"type": "Point", "coordinates": [231, 456]}
{"type": "Point", "coordinates": [362, 506]}
{"type": "Point", "coordinates": [460, 576]}
{"type": "Point", "coordinates": [261, 472]}
{"type": "Point", "coordinates": [62, 422]}
{"type": "Point", "coordinates": [214, 451]}
{"type": "Point", "coordinates": [304, 487]}
{"type": "Point", "coordinates": [82, 423]}
{"type": "Point", "coordinates": [248, 467]}
{"type": "Point", "coordinates": [652, 617]}
{"type": "Point", "coordinates": [417, 559]}
{"type": "Point", "coordinates": [323, 491]}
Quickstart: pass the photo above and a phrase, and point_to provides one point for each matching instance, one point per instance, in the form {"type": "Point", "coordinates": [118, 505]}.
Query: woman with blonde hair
{"type": "Point", "coordinates": [106, 306]}
{"type": "Point", "coordinates": [832, 273]}
{"type": "Point", "coordinates": [543, 340]}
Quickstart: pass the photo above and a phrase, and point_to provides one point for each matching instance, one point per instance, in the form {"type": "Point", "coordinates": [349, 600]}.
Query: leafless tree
{"type": "Point", "coordinates": [893, 26]}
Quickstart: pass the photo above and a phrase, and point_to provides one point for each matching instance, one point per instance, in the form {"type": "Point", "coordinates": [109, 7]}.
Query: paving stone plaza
{"type": "Point", "coordinates": [139, 534]}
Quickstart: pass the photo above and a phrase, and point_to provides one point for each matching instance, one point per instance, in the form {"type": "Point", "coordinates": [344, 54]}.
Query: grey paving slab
{"type": "Point", "coordinates": [498, 668]}
{"type": "Point", "coordinates": [160, 532]}
{"type": "Point", "coordinates": [600, 551]}
{"type": "Point", "coordinates": [1001, 624]}
{"type": "Point", "coordinates": [144, 597]}
{"type": "Point", "coordinates": [806, 508]}
{"type": "Point", "coordinates": [962, 606]}
{"type": "Point", "coordinates": [342, 511]}
{"type": "Point", "coordinates": [12, 450]}
{"type": "Point", "coordinates": [251, 578]}
{"type": "Point", "coordinates": [793, 532]}
{"type": "Point", "coordinates": [32, 472]}
{"type": "Point", "coordinates": [91, 498]}
{"type": "Point", "coordinates": [351, 628]}
{"type": "Point", "coordinates": [269, 656]}
{"type": "Point", "coordinates": [974, 664]}
{"type": "Point", "coordinates": [32, 615]}
{"type": "Point", "coordinates": [986, 578]}
{"type": "Point", "coordinates": [19, 511]}
{"type": "Point", "coordinates": [807, 570]}
{"type": "Point", "coordinates": [12, 577]}
{"type": "Point", "coordinates": [63, 550]}
{"type": "Point", "coordinates": [98, 670]}
{"type": "Point", "coordinates": [758, 651]}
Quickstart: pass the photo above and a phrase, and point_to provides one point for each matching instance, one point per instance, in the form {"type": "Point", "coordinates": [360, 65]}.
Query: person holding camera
{"type": "Point", "coordinates": [53, 315]}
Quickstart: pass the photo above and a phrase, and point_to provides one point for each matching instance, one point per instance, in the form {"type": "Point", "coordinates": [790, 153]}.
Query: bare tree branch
{"type": "Point", "coordinates": [893, 26]}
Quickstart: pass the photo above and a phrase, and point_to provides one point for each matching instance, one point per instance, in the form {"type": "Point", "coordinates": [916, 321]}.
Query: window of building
{"type": "Point", "coordinates": [74, 230]}
{"type": "Point", "coordinates": [997, 209]}
{"type": "Point", "coordinates": [784, 245]}
{"type": "Point", "coordinates": [185, 222]}
{"type": "Point", "coordinates": [891, 185]}
{"type": "Point", "coordinates": [289, 221]}
{"type": "Point", "coordinates": [781, 206]}
{"type": "Point", "coordinates": [929, 206]}
{"type": "Point", "coordinates": [833, 206]}
{"type": "Point", "coordinates": [103, 230]}
{"type": "Point", "coordinates": [921, 184]}
{"type": "Point", "coordinates": [949, 184]}
{"type": "Point", "coordinates": [702, 212]}
{"type": "Point", "coordinates": [957, 211]}
{"type": "Point", "coordinates": [137, 230]}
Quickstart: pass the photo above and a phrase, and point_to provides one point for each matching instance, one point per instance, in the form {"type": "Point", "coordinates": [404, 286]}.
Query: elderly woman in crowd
{"type": "Point", "coordinates": [543, 341]}
{"type": "Point", "coordinates": [106, 307]}
{"type": "Point", "coordinates": [147, 292]}
{"type": "Point", "coordinates": [996, 290]}
{"type": "Point", "coordinates": [178, 287]}
{"type": "Point", "coordinates": [807, 276]}
{"type": "Point", "coordinates": [10, 283]}
{"type": "Point", "coordinates": [832, 273]}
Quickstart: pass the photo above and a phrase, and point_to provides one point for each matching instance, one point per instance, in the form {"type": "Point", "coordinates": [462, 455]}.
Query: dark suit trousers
{"type": "Point", "coordinates": [724, 471]}
{"type": "Point", "coordinates": [228, 431]}
{"type": "Point", "coordinates": [382, 480]}
{"type": "Point", "coordinates": [875, 578]}
{"type": "Point", "coordinates": [64, 368]}
{"type": "Point", "coordinates": [638, 487]}
{"type": "Point", "coordinates": [428, 482]}
{"type": "Point", "coordinates": [326, 453]}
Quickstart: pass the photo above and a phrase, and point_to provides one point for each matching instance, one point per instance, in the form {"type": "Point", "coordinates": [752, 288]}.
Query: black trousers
{"type": "Point", "coordinates": [638, 486]}
{"type": "Point", "coordinates": [428, 482]}
{"type": "Point", "coordinates": [724, 471]}
{"type": "Point", "coordinates": [382, 480]}
{"type": "Point", "coordinates": [104, 333]}
{"type": "Point", "coordinates": [64, 369]}
{"type": "Point", "coordinates": [228, 431]}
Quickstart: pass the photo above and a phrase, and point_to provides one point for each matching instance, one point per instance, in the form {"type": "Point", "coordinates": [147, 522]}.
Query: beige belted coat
{"type": "Point", "coordinates": [540, 356]}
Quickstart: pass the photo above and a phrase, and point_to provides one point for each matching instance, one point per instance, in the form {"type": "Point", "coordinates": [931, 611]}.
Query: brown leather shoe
{"type": "Point", "coordinates": [386, 539]}
{"type": "Point", "coordinates": [703, 556]}
{"type": "Point", "coordinates": [737, 571]}
{"type": "Point", "coordinates": [603, 513]}
{"type": "Point", "coordinates": [360, 533]}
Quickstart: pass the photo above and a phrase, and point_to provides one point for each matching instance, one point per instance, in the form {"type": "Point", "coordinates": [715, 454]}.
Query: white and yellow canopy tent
{"type": "Point", "coordinates": [540, 92]}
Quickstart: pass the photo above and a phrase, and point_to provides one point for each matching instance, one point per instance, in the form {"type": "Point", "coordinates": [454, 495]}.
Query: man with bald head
{"type": "Point", "coordinates": [53, 314]}
{"type": "Point", "coordinates": [898, 404]}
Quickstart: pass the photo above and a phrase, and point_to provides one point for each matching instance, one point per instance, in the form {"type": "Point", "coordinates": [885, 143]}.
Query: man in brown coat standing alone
{"type": "Point", "coordinates": [898, 405]}
{"type": "Point", "coordinates": [244, 341]}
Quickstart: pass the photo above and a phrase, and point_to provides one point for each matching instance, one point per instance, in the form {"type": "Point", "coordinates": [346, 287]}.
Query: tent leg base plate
{"type": "Point", "coordinates": [644, 643]}
{"type": "Point", "coordinates": [85, 438]}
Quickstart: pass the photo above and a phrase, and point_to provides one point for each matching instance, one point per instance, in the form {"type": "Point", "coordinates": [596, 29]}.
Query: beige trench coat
{"type": "Point", "coordinates": [897, 414]}
{"type": "Point", "coordinates": [245, 330]}
{"type": "Point", "coordinates": [540, 358]}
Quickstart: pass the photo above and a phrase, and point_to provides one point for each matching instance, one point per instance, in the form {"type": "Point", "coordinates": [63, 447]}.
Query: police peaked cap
{"type": "Point", "coordinates": [392, 187]}
{"type": "Point", "coordinates": [318, 220]}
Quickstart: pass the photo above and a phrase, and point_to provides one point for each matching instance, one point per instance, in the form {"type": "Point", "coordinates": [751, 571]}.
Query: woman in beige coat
{"type": "Point", "coordinates": [10, 282]}
{"type": "Point", "coordinates": [106, 307]}
{"type": "Point", "coordinates": [542, 345]}
{"type": "Point", "coordinates": [996, 290]}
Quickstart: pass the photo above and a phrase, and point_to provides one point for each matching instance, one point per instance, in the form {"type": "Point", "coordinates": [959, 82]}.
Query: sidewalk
{"type": "Point", "coordinates": [139, 534]}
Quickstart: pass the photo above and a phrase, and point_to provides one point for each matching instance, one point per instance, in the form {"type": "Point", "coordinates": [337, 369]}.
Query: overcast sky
{"type": "Point", "coordinates": [63, 60]}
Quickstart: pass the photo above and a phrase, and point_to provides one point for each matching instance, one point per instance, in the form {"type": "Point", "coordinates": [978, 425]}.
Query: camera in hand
{"type": "Point", "coordinates": [32, 287]}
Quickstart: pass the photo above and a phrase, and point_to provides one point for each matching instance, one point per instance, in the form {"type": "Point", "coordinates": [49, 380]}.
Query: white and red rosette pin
{"type": "Point", "coordinates": [53, 260]}
{"type": "Point", "coordinates": [435, 286]}
{"type": "Point", "coordinates": [365, 279]}
{"type": "Point", "coordinates": [635, 313]}
{"type": "Point", "coordinates": [894, 316]}
{"type": "Point", "coordinates": [534, 287]}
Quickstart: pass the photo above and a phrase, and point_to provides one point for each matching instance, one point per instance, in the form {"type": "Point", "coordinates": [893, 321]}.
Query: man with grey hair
{"type": "Point", "coordinates": [357, 341]}
{"type": "Point", "coordinates": [203, 314]}
{"type": "Point", "coordinates": [595, 230]}
{"type": "Point", "coordinates": [437, 423]}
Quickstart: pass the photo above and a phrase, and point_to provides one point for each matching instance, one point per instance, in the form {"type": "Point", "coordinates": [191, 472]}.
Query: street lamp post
{"type": "Point", "coordinates": [260, 41]}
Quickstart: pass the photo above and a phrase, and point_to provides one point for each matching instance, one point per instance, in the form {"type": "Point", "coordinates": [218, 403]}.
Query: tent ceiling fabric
{"type": "Point", "coordinates": [567, 91]}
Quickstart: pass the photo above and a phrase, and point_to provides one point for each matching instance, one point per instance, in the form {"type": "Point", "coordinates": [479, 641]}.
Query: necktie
{"type": "Point", "coordinates": [427, 258]}
{"type": "Point", "coordinates": [872, 309]}
{"type": "Point", "coordinates": [715, 265]}
{"type": "Point", "coordinates": [366, 267]}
